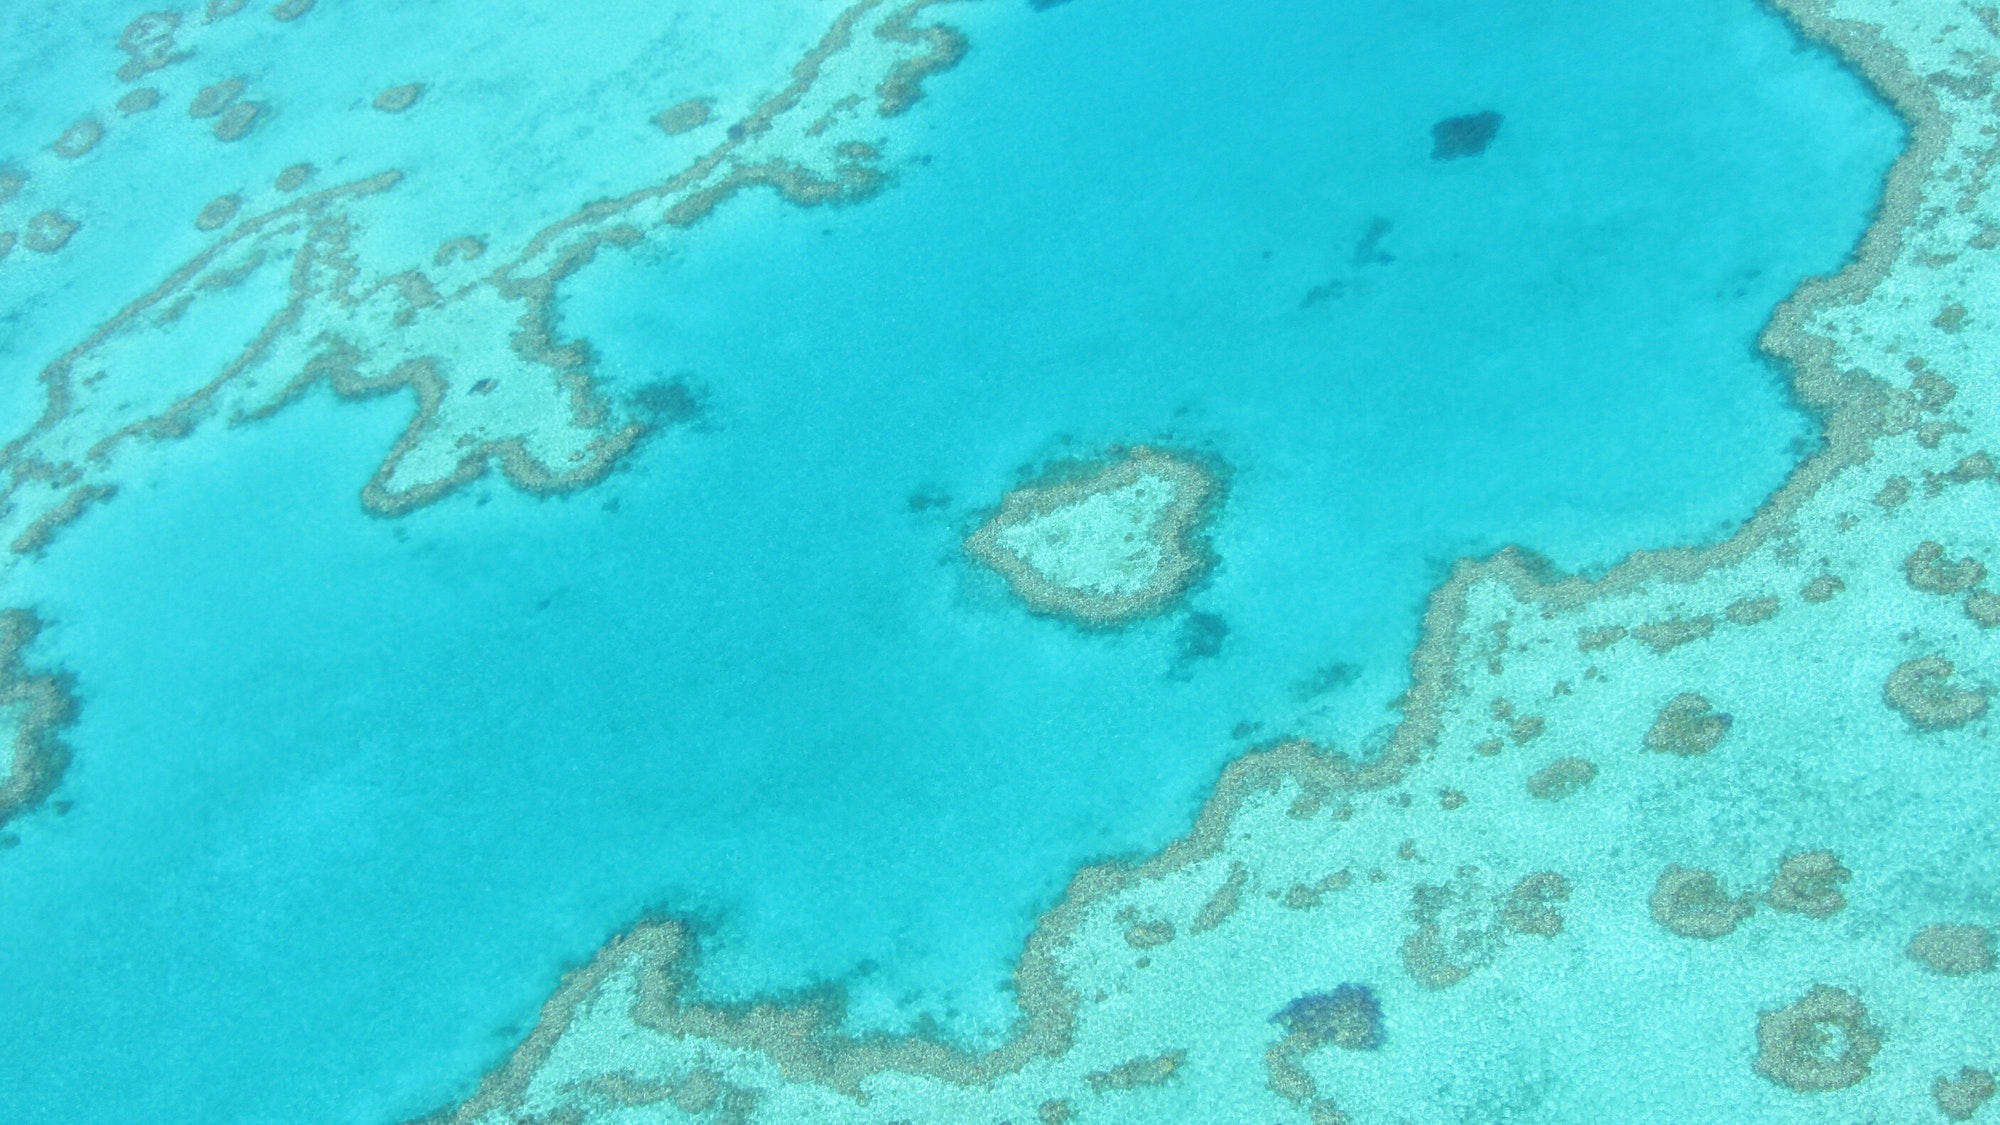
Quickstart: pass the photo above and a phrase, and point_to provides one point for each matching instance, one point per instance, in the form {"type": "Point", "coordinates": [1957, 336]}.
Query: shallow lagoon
{"type": "Point", "coordinates": [349, 792]}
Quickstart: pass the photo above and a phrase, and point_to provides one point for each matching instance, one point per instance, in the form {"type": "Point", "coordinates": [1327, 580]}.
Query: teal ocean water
{"type": "Point", "coordinates": [349, 792]}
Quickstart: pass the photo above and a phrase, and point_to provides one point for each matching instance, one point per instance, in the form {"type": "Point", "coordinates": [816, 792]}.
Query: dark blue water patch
{"type": "Point", "coordinates": [350, 793]}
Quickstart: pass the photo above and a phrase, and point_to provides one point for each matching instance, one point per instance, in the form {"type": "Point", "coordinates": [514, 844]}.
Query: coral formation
{"type": "Point", "coordinates": [684, 117]}
{"type": "Point", "coordinates": [78, 139]}
{"type": "Point", "coordinates": [1821, 1042]}
{"type": "Point", "coordinates": [1751, 611]}
{"type": "Point", "coordinates": [41, 705]}
{"type": "Point", "coordinates": [1922, 691]}
{"type": "Point", "coordinates": [148, 43]}
{"type": "Point", "coordinates": [1953, 949]}
{"type": "Point", "coordinates": [1672, 633]}
{"type": "Point", "coordinates": [211, 100]}
{"type": "Point", "coordinates": [1561, 778]}
{"type": "Point", "coordinates": [1691, 902]}
{"type": "Point", "coordinates": [217, 212]}
{"type": "Point", "coordinates": [1531, 906]}
{"type": "Point", "coordinates": [1348, 1017]}
{"type": "Point", "coordinates": [1808, 883]}
{"type": "Point", "coordinates": [1105, 547]}
{"type": "Point", "coordinates": [139, 100]}
{"type": "Point", "coordinates": [1928, 570]}
{"type": "Point", "coordinates": [49, 231]}
{"type": "Point", "coordinates": [396, 99]}
{"type": "Point", "coordinates": [235, 123]}
{"type": "Point", "coordinates": [1960, 1097]}
{"type": "Point", "coordinates": [1688, 725]}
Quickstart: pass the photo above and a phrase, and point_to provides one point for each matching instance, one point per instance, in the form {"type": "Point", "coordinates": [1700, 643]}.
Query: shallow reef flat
{"type": "Point", "coordinates": [1722, 812]}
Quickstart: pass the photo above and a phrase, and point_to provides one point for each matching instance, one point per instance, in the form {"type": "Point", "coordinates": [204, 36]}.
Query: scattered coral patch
{"type": "Point", "coordinates": [1928, 570]}
{"type": "Point", "coordinates": [148, 43]}
{"type": "Point", "coordinates": [1959, 1098]}
{"type": "Point", "coordinates": [1136, 1073]}
{"type": "Point", "coordinates": [1809, 883]}
{"type": "Point", "coordinates": [78, 139]}
{"type": "Point", "coordinates": [1953, 950]}
{"type": "Point", "coordinates": [49, 232]}
{"type": "Point", "coordinates": [139, 100]}
{"type": "Point", "coordinates": [1921, 689]}
{"type": "Point", "coordinates": [685, 117]}
{"type": "Point", "coordinates": [217, 213]}
{"type": "Point", "coordinates": [1822, 1042]}
{"type": "Point", "coordinates": [1692, 903]}
{"type": "Point", "coordinates": [237, 121]}
{"type": "Point", "coordinates": [1561, 778]}
{"type": "Point", "coordinates": [1348, 1017]}
{"type": "Point", "coordinates": [1688, 725]}
{"type": "Point", "coordinates": [1531, 905]}
{"type": "Point", "coordinates": [1983, 608]}
{"type": "Point", "coordinates": [212, 100]}
{"type": "Point", "coordinates": [1665, 636]}
{"type": "Point", "coordinates": [396, 99]}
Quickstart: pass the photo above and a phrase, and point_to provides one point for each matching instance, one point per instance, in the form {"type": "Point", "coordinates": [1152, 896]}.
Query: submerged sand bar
{"type": "Point", "coordinates": [1103, 549]}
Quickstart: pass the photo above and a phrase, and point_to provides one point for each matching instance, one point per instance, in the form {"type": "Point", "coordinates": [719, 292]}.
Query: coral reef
{"type": "Point", "coordinates": [1821, 1042]}
{"type": "Point", "coordinates": [1809, 883]}
{"type": "Point", "coordinates": [39, 705]}
{"type": "Point", "coordinates": [1349, 1017]}
{"type": "Point", "coordinates": [1958, 1098]}
{"type": "Point", "coordinates": [1691, 902]}
{"type": "Point", "coordinates": [1688, 725]}
{"type": "Point", "coordinates": [1105, 547]}
{"type": "Point", "coordinates": [1564, 777]}
{"type": "Point", "coordinates": [684, 117]}
{"type": "Point", "coordinates": [1928, 570]}
{"type": "Point", "coordinates": [396, 99]}
{"type": "Point", "coordinates": [1953, 949]}
{"type": "Point", "coordinates": [1921, 689]}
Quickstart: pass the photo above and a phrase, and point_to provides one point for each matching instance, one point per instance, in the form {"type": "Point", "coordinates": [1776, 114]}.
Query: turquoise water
{"type": "Point", "coordinates": [350, 792]}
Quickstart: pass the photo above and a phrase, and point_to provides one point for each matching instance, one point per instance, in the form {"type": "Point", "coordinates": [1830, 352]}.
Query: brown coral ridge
{"type": "Point", "coordinates": [45, 704]}
{"type": "Point", "coordinates": [1821, 1042]}
{"type": "Point", "coordinates": [1851, 405]}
